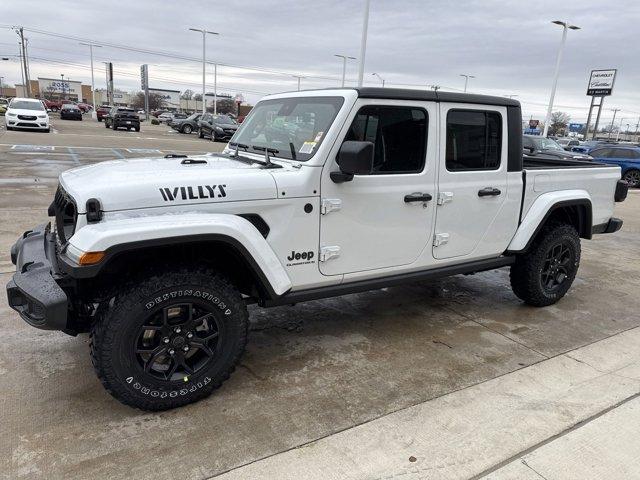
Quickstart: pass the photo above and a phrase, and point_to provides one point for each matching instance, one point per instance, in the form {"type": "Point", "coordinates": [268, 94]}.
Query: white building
{"type": "Point", "coordinates": [57, 88]}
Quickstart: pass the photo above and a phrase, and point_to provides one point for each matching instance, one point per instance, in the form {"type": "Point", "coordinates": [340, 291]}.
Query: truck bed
{"type": "Point", "coordinates": [595, 181]}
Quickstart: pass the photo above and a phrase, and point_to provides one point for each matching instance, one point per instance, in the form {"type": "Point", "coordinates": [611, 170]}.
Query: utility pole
{"type": "Point", "coordinates": [565, 28]}
{"type": "Point", "coordinates": [94, 115]}
{"type": "Point", "coordinates": [344, 65]}
{"type": "Point", "coordinates": [215, 88]}
{"type": "Point", "coordinates": [435, 88]}
{"type": "Point", "coordinates": [204, 61]}
{"type": "Point", "coordinates": [1, 89]}
{"type": "Point", "coordinates": [466, 80]}
{"type": "Point", "coordinates": [62, 86]}
{"type": "Point", "coordinates": [614, 110]}
{"type": "Point", "coordinates": [637, 125]}
{"type": "Point", "coordinates": [299, 77]}
{"type": "Point", "coordinates": [363, 42]}
{"type": "Point", "coordinates": [27, 83]}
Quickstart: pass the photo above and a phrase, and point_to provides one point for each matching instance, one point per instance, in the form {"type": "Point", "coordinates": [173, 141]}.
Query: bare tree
{"type": "Point", "coordinates": [156, 101]}
{"type": "Point", "coordinates": [187, 95]}
{"type": "Point", "coordinates": [559, 122]}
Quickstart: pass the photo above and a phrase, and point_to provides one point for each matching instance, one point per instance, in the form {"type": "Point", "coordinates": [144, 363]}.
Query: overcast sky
{"type": "Point", "coordinates": [510, 46]}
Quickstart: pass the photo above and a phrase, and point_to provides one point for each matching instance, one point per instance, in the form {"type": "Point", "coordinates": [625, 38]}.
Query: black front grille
{"type": "Point", "coordinates": [27, 117]}
{"type": "Point", "coordinates": [66, 214]}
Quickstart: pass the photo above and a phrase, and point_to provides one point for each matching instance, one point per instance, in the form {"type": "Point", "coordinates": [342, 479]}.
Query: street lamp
{"type": "Point", "coordinates": [344, 65]}
{"type": "Point", "coordinates": [379, 78]}
{"type": "Point", "coordinates": [94, 115]}
{"type": "Point", "coordinates": [565, 26]}
{"type": "Point", "coordinates": [466, 79]}
{"type": "Point", "coordinates": [1, 89]}
{"type": "Point", "coordinates": [62, 85]}
{"type": "Point", "coordinates": [204, 60]}
{"type": "Point", "coordinates": [299, 77]}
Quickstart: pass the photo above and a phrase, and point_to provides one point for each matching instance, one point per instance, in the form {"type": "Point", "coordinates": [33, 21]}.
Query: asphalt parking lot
{"type": "Point", "coordinates": [450, 379]}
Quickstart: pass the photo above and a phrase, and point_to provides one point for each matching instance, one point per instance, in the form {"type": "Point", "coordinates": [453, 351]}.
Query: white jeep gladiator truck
{"type": "Point", "coordinates": [318, 193]}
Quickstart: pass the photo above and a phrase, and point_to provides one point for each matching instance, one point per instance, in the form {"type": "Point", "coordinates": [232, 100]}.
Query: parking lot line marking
{"type": "Point", "coordinates": [74, 156]}
{"type": "Point", "coordinates": [202, 152]}
{"type": "Point", "coordinates": [117, 153]}
{"type": "Point", "coordinates": [33, 147]}
{"type": "Point", "coordinates": [142, 150]}
{"type": "Point", "coordinates": [39, 153]}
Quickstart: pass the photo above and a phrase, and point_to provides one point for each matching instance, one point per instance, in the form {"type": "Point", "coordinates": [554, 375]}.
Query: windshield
{"type": "Point", "coordinates": [546, 144]}
{"type": "Point", "coordinates": [292, 128]}
{"type": "Point", "coordinates": [24, 105]}
{"type": "Point", "coordinates": [69, 106]}
{"type": "Point", "coordinates": [223, 119]}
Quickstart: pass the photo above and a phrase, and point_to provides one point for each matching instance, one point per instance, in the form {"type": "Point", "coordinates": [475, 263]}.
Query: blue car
{"type": "Point", "coordinates": [628, 158]}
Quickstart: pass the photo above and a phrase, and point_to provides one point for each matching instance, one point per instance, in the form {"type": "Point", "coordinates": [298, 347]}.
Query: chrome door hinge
{"type": "Point", "coordinates": [440, 239]}
{"type": "Point", "coordinates": [327, 253]}
{"type": "Point", "coordinates": [329, 205]}
{"type": "Point", "coordinates": [445, 197]}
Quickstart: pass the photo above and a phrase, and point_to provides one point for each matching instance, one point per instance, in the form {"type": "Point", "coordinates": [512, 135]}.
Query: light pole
{"type": "Point", "coordinates": [614, 110]}
{"type": "Point", "coordinates": [299, 77]}
{"type": "Point", "coordinates": [344, 65]}
{"type": "Point", "coordinates": [204, 60]}
{"type": "Point", "coordinates": [94, 115]}
{"type": "Point", "coordinates": [565, 27]}
{"type": "Point", "coordinates": [363, 41]}
{"type": "Point", "coordinates": [379, 78]}
{"type": "Point", "coordinates": [435, 88]}
{"type": "Point", "coordinates": [1, 89]}
{"type": "Point", "coordinates": [62, 85]}
{"type": "Point", "coordinates": [466, 79]}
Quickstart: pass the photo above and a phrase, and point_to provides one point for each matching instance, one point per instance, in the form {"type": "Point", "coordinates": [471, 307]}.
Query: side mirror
{"type": "Point", "coordinates": [529, 150]}
{"type": "Point", "coordinates": [354, 158]}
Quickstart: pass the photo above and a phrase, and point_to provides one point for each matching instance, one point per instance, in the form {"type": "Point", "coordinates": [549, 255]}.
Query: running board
{"type": "Point", "coordinates": [390, 281]}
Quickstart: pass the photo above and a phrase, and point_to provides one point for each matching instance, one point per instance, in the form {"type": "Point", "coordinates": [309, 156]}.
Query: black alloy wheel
{"type": "Point", "coordinates": [557, 265]}
{"type": "Point", "coordinates": [178, 341]}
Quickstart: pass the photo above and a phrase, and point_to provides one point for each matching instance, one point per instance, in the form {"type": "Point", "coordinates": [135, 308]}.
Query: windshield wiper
{"type": "Point", "coordinates": [293, 150]}
{"type": "Point", "coordinates": [267, 160]}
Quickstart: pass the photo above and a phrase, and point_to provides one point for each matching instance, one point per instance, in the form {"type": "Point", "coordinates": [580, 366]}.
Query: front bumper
{"type": "Point", "coordinates": [33, 291]}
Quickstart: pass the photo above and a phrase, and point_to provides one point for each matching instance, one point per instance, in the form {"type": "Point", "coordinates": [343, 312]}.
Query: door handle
{"type": "Point", "coordinates": [417, 197]}
{"type": "Point", "coordinates": [489, 192]}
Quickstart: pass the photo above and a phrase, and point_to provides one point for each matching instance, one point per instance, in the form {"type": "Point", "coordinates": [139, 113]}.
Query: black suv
{"type": "Point", "coordinates": [217, 127]}
{"type": "Point", "coordinates": [535, 145]}
{"type": "Point", "coordinates": [186, 125]}
{"type": "Point", "coordinates": [122, 117]}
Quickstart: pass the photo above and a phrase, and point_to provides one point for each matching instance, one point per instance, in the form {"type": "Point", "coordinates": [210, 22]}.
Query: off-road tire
{"type": "Point", "coordinates": [632, 177]}
{"type": "Point", "coordinates": [527, 273]}
{"type": "Point", "coordinates": [115, 336]}
{"type": "Point", "coordinates": [187, 129]}
{"type": "Point", "coordinates": [137, 128]}
{"type": "Point", "coordinates": [200, 134]}
{"type": "Point", "coordinates": [114, 126]}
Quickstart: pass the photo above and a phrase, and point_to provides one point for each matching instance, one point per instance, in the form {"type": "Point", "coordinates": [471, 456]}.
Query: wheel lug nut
{"type": "Point", "coordinates": [177, 330]}
{"type": "Point", "coordinates": [172, 351]}
{"type": "Point", "coordinates": [185, 348]}
{"type": "Point", "coordinates": [189, 335]}
{"type": "Point", "coordinates": [165, 340]}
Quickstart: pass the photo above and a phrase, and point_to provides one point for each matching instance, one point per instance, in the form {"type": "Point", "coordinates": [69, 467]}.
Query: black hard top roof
{"type": "Point", "coordinates": [432, 95]}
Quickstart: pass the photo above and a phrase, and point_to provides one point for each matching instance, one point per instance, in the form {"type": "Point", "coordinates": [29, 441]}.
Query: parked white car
{"type": "Point", "coordinates": [165, 117]}
{"type": "Point", "coordinates": [28, 113]}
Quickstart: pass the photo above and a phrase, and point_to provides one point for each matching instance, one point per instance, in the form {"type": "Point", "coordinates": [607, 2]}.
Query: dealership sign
{"type": "Point", "coordinates": [576, 127]}
{"type": "Point", "coordinates": [601, 82]}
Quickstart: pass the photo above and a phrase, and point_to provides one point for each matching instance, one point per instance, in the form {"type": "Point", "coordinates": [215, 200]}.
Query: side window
{"type": "Point", "coordinates": [624, 153]}
{"type": "Point", "coordinates": [399, 136]}
{"type": "Point", "coordinates": [474, 140]}
{"type": "Point", "coordinates": [601, 153]}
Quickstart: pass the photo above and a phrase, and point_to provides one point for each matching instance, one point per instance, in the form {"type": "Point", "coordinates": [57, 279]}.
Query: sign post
{"type": "Point", "coordinates": [600, 85]}
{"type": "Point", "coordinates": [144, 83]}
{"type": "Point", "coordinates": [109, 71]}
